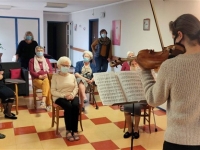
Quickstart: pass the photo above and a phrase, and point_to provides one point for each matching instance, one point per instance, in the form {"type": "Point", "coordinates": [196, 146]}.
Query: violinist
{"type": "Point", "coordinates": [178, 83]}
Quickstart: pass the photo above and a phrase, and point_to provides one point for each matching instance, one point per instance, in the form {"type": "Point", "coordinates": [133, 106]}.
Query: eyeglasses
{"type": "Point", "coordinates": [65, 65]}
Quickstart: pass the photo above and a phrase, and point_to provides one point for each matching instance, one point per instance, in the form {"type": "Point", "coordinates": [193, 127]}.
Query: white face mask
{"type": "Point", "coordinates": [64, 69]}
{"type": "Point", "coordinates": [103, 35]}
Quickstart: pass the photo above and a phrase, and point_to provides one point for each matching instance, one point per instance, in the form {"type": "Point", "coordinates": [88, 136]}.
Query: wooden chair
{"type": "Point", "coordinates": [90, 90]}
{"type": "Point", "coordinates": [56, 111]}
{"type": "Point", "coordinates": [146, 114]}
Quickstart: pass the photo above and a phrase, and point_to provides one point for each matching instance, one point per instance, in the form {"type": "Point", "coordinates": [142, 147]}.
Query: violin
{"type": "Point", "coordinates": [149, 59]}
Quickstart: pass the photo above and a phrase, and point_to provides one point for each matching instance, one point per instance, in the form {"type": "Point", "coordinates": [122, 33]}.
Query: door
{"type": "Point", "coordinates": [93, 31]}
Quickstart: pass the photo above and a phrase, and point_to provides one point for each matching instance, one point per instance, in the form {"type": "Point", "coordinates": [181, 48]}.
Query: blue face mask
{"type": "Point", "coordinates": [29, 37]}
{"type": "Point", "coordinates": [85, 59]}
{"type": "Point", "coordinates": [103, 35]}
{"type": "Point", "coordinates": [64, 69]}
{"type": "Point", "coordinates": [39, 54]}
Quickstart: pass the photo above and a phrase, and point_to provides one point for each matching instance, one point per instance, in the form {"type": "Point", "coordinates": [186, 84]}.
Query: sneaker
{"type": "Point", "coordinates": [48, 108]}
{"type": "Point", "coordinates": [42, 105]}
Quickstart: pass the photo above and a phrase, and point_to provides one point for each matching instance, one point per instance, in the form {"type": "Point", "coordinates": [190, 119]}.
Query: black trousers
{"type": "Point", "coordinates": [71, 112]}
{"type": "Point", "coordinates": [6, 93]}
{"type": "Point", "coordinates": [171, 146]}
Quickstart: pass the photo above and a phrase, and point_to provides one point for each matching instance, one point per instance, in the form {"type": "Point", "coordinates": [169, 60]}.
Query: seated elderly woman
{"type": "Point", "coordinates": [7, 97]}
{"type": "Point", "coordinates": [84, 74]}
{"type": "Point", "coordinates": [39, 67]}
{"type": "Point", "coordinates": [64, 90]}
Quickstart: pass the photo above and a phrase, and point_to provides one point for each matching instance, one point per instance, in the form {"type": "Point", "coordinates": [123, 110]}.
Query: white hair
{"type": "Point", "coordinates": [89, 53]}
{"type": "Point", "coordinates": [130, 52]}
{"type": "Point", "coordinates": [62, 60]}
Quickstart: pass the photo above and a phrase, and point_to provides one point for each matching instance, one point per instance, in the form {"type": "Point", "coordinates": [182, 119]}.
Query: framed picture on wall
{"type": "Point", "coordinates": [146, 24]}
{"type": "Point", "coordinates": [116, 32]}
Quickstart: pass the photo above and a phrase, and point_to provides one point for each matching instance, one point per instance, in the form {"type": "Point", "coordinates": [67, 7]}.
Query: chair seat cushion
{"type": "Point", "coordinates": [18, 81]}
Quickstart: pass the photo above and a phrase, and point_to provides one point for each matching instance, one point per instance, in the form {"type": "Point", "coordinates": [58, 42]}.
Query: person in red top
{"type": "Point", "coordinates": [125, 65]}
{"type": "Point", "coordinates": [39, 67]}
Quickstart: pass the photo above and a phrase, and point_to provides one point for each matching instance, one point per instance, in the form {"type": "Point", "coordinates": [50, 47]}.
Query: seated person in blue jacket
{"type": "Point", "coordinates": [7, 97]}
{"type": "Point", "coordinates": [84, 74]}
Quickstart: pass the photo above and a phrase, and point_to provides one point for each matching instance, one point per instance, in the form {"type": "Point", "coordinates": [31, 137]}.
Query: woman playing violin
{"type": "Point", "coordinates": [178, 83]}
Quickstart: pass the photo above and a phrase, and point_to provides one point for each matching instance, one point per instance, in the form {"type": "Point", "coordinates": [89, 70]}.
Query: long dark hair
{"type": "Point", "coordinates": [189, 25]}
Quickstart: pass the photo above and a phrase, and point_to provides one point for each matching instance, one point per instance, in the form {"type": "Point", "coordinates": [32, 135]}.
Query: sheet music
{"type": "Point", "coordinates": [109, 88]}
{"type": "Point", "coordinates": [132, 85]}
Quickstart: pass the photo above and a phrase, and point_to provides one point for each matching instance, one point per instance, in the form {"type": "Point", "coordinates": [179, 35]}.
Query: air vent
{"type": "Point", "coordinates": [56, 5]}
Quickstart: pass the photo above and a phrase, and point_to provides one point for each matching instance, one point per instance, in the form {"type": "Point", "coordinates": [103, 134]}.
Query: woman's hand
{"type": "Point", "coordinates": [1, 76]}
{"type": "Point", "coordinates": [70, 97]}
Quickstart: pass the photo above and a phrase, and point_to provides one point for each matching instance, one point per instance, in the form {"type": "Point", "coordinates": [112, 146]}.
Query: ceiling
{"type": "Point", "coordinates": [72, 5]}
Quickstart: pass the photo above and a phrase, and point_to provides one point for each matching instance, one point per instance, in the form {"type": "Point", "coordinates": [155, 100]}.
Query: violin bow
{"type": "Point", "coordinates": [157, 27]}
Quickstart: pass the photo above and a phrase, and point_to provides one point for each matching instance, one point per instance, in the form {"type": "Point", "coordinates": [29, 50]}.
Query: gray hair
{"type": "Point", "coordinates": [29, 33]}
{"type": "Point", "coordinates": [89, 53]}
{"type": "Point", "coordinates": [62, 60]}
{"type": "Point", "coordinates": [130, 52]}
{"type": "Point", "coordinates": [39, 47]}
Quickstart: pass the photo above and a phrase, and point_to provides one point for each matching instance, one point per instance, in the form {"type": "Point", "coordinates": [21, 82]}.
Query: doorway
{"type": "Point", "coordinates": [93, 31]}
{"type": "Point", "coordinates": [57, 39]}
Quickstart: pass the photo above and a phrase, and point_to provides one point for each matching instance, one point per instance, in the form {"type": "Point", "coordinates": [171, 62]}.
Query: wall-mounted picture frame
{"type": "Point", "coordinates": [146, 24]}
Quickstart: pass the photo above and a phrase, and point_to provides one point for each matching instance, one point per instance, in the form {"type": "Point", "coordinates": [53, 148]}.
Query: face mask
{"type": "Point", "coordinates": [85, 59]}
{"type": "Point", "coordinates": [39, 54]}
{"type": "Point", "coordinates": [29, 37]}
{"type": "Point", "coordinates": [103, 35]}
{"type": "Point", "coordinates": [64, 69]}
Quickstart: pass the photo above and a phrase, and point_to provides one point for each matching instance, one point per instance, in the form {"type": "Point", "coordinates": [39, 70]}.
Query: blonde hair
{"type": "Point", "coordinates": [89, 53]}
{"type": "Point", "coordinates": [39, 47]}
{"type": "Point", "coordinates": [62, 60]}
{"type": "Point", "coordinates": [130, 52]}
{"type": "Point", "coordinates": [29, 33]}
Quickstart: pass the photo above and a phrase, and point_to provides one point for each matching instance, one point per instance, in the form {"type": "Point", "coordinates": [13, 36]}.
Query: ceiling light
{"type": "Point", "coordinates": [56, 5]}
{"type": "Point", "coordinates": [5, 7]}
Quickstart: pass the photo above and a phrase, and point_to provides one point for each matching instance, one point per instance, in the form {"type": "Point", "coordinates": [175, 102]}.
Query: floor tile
{"type": "Point", "coordinates": [83, 140]}
{"type": "Point", "coordinates": [139, 147]}
{"type": "Point", "coordinates": [24, 130]}
{"type": "Point", "coordinates": [35, 111]}
{"type": "Point", "coordinates": [6, 125]}
{"type": "Point", "coordinates": [104, 145]}
{"type": "Point", "coordinates": [30, 146]}
{"type": "Point", "coordinates": [159, 112]}
{"type": "Point", "coordinates": [54, 144]}
{"type": "Point", "coordinates": [102, 120]}
{"type": "Point", "coordinates": [120, 124]}
{"type": "Point", "coordinates": [116, 107]}
{"type": "Point", "coordinates": [27, 138]}
{"type": "Point", "coordinates": [152, 127]}
{"type": "Point", "coordinates": [48, 135]}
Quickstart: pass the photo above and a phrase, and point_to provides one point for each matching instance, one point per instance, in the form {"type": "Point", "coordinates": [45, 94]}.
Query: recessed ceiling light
{"type": "Point", "coordinates": [56, 5]}
{"type": "Point", "coordinates": [5, 7]}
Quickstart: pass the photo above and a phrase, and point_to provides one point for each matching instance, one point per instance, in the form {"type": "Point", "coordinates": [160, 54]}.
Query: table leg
{"type": "Point", "coordinates": [16, 98]}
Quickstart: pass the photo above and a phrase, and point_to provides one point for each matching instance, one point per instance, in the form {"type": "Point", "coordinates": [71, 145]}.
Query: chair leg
{"type": "Point", "coordinates": [124, 125]}
{"type": "Point", "coordinates": [57, 120]}
{"type": "Point", "coordinates": [149, 115]}
{"type": "Point", "coordinates": [53, 116]}
{"type": "Point", "coordinates": [154, 120]}
{"type": "Point", "coordinates": [16, 103]}
{"type": "Point", "coordinates": [80, 120]}
{"type": "Point", "coordinates": [34, 97]}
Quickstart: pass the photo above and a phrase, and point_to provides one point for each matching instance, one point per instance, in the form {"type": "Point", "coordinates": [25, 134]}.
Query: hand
{"type": "Point", "coordinates": [1, 72]}
{"type": "Point", "coordinates": [40, 76]}
{"type": "Point", "coordinates": [108, 59]}
{"type": "Point", "coordinates": [1, 76]}
{"type": "Point", "coordinates": [70, 97]}
{"type": "Point", "coordinates": [90, 81]}
{"type": "Point", "coordinates": [44, 76]}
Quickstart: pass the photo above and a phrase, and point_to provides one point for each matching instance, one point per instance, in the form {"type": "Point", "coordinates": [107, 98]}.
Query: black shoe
{"type": "Point", "coordinates": [83, 109]}
{"type": "Point", "coordinates": [136, 135]}
{"type": "Point", "coordinates": [5, 113]}
{"type": "Point", "coordinates": [127, 135]}
{"type": "Point", "coordinates": [10, 117]}
{"type": "Point", "coordinates": [85, 101]}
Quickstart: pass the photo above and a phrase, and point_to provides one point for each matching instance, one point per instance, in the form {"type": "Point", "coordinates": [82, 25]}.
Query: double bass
{"type": "Point", "coordinates": [149, 59]}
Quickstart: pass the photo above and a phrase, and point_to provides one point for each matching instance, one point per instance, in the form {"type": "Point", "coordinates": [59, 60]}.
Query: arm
{"type": "Point", "coordinates": [110, 51]}
{"type": "Point", "coordinates": [158, 92]}
{"type": "Point", "coordinates": [54, 91]}
{"type": "Point", "coordinates": [31, 69]}
{"type": "Point", "coordinates": [93, 45]}
{"type": "Point", "coordinates": [78, 71]}
{"type": "Point", "coordinates": [123, 66]}
{"type": "Point", "coordinates": [50, 67]}
{"type": "Point", "coordinates": [75, 91]}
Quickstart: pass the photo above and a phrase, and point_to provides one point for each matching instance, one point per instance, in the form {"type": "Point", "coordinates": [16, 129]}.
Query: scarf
{"type": "Point", "coordinates": [44, 64]}
{"type": "Point", "coordinates": [104, 41]}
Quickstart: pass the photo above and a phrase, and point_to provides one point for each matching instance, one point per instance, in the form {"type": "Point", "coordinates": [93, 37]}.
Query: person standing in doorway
{"type": "Point", "coordinates": [26, 49]}
{"type": "Point", "coordinates": [102, 49]}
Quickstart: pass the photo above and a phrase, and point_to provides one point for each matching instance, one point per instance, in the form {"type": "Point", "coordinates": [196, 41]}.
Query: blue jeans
{"type": "Point", "coordinates": [101, 64]}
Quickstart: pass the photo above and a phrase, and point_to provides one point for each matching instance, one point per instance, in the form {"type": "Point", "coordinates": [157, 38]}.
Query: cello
{"type": "Point", "coordinates": [149, 59]}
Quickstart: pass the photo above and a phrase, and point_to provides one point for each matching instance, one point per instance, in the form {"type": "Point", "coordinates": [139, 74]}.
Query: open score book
{"type": "Point", "coordinates": [119, 87]}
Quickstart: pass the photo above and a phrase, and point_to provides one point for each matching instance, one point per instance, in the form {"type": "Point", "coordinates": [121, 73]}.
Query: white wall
{"type": "Point", "coordinates": [54, 17]}
{"type": "Point", "coordinates": [131, 15]}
